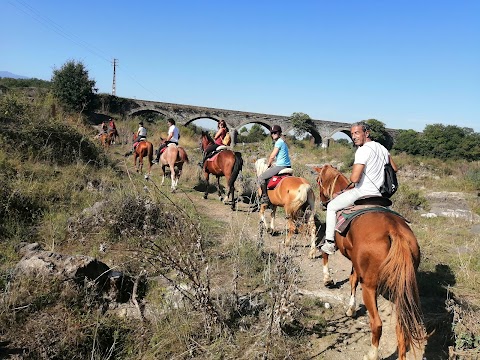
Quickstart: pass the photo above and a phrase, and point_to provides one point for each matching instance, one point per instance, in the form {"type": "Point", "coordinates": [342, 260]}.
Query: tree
{"type": "Point", "coordinates": [379, 134]}
{"type": "Point", "coordinates": [72, 87]}
{"type": "Point", "coordinates": [302, 123]}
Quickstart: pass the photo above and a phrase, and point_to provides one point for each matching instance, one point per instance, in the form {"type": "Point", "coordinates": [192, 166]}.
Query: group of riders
{"type": "Point", "coordinates": [109, 128]}
{"type": "Point", "coordinates": [366, 178]}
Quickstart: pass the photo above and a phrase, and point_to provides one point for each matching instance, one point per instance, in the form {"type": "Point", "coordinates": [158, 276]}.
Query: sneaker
{"type": "Point", "coordinates": [264, 199]}
{"type": "Point", "coordinates": [154, 161]}
{"type": "Point", "coordinates": [328, 247]}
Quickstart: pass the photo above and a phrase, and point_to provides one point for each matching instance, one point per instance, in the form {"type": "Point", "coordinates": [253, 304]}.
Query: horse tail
{"type": "Point", "coordinates": [397, 279]}
{"type": "Point", "coordinates": [237, 167]}
{"type": "Point", "coordinates": [304, 193]}
{"type": "Point", "coordinates": [185, 159]}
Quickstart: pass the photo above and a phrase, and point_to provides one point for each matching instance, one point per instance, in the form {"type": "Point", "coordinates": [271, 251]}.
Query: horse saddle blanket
{"type": "Point", "coordinates": [275, 180]}
{"type": "Point", "coordinates": [213, 155]}
{"type": "Point", "coordinates": [345, 216]}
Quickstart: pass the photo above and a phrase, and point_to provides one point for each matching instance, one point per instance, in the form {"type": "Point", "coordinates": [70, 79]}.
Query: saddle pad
{"type": "Point", "coordinates": [345, 216]}
{"type": "Point", "coordinates": [213, 155]}
{"type": "Point", "coordinates": [275, 180]}
{"type": "Point", "coordinates": [286, 171]}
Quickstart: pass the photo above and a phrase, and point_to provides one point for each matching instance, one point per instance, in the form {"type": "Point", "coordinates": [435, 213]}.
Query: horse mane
{"type": "Point", "coordinates": [260, 166]}
{"type": "Point", "coordinates": [207, 135]}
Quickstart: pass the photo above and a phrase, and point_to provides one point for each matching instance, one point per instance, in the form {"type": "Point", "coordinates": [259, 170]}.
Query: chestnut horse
{"type": "Point", "coordinates": [144, 148]}
{"type": "Point", "coordinates": [385, 256]}
{"type": "Point", "coordinates": [226, 163]}
{"type": "Point", "coordinates": [106, 140]}
{"type": "Point", "coordinates": [173, 157]}
{"type": "Point", "coordinates": [296, 196]}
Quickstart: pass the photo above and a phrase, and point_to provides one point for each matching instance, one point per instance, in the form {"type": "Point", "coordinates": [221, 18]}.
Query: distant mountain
{"type": "Point", "coordinates": [7, 74]}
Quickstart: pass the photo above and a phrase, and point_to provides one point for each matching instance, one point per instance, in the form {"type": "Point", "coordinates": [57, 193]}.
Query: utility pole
{"type": "Point", "coordinates": [114, 85]}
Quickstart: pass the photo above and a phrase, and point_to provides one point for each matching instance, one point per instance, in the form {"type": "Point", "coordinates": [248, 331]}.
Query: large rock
{"type": "Point", "coordinates": [82, 269]}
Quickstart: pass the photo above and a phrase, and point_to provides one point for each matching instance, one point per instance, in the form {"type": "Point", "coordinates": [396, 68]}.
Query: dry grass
{"type": "Point", "coordinates": [240, 302]}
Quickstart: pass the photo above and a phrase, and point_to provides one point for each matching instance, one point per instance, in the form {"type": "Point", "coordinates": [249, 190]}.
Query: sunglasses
{"type": "Point", "coordinates": [274, 132]}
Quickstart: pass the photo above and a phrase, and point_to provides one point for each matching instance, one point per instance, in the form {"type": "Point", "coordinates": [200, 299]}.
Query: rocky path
{"type": "Point", "coordinates": [347, 338]}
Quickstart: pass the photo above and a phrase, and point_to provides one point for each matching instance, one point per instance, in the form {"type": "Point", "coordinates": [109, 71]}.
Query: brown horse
{"type": "Point", "coordinates": [173, 157]}
{"type": "Point", "coordinates": [144, 148]}
{"type": "Point", "coordinates": [106, 140]}
{"type": "Point", "coordinates": [226, 163]}
{"type": "Point", "coordinates": [296, 196]}
{"type": "Point", "coordinates": [385, 255]}
{"type": "Point", "coordinates": [113, 133]}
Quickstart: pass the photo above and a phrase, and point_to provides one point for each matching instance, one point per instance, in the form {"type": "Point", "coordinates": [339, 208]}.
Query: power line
{"type": "Point", "coordinates": [58, 29]}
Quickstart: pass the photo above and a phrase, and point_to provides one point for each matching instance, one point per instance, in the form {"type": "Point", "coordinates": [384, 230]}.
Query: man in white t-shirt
{"type": "Point", "coordinates": [172, 138]}
{"type": "Point", "coordinates": [367, 175]}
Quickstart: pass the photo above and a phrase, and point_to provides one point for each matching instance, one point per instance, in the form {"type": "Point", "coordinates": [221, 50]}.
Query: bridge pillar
{"type": "Point", "coordinates": [234, 137]}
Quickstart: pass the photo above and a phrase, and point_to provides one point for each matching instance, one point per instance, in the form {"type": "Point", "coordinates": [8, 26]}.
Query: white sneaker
{"type": "Point", "coordinates": [328, 247]}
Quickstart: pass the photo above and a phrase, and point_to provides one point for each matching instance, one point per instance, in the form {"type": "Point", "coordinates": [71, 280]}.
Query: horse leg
{"type": "Point", "coordinates": [135, 162]}
{"type": "Point", "coordinates": [370, 301]}
{"type": "Point", "coordinates": [313, 234]}
{"type": "Point", "coordinates": [172, 176]}
{"type": "Point", "coordinates": [291, 229]}
{"type": "Point", "coordinates": [352, 310]}
{"type": "Point", "coordinates": [272, 220]}
{"type": "Point", "coordinates": [163, 175]}
{"type": "Point", "coordinates": [219, 189]}
{"type": "Point", "coordinates": [207, 176]}
{"type": "Point", "coordinates": [327, 279]}
{"type": "Point", "coordinates": [263, 220]}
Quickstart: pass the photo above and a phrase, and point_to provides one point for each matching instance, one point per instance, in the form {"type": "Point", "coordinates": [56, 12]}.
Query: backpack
{"type": "Point", "coordinates": [227, 139]}
{"type": "Point", "coordinates": [390, 184]}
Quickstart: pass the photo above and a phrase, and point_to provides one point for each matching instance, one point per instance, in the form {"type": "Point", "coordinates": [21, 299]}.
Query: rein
{"type": "Point", "coordinates": [329, 190]}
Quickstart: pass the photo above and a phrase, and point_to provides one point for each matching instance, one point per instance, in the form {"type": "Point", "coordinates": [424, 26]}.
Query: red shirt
{"type": "Point", "coordinates": [219, 140]}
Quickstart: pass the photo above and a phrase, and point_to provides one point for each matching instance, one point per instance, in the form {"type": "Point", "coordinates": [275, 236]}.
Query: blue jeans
{"type": "Point", "coordinates": [340, 202]}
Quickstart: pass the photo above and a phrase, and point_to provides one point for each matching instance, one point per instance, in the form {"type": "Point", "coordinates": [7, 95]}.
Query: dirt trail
{"type": "Point", "coordinates": [347, 338]}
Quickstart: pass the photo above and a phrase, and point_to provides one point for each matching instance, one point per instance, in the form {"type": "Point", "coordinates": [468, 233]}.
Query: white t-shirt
{"type": "Point", "coordinates": [174, 130]}
{"type": "Point", "coordinates": [142, 131]}
{"type": "Point", "coordinates": [374, 156]}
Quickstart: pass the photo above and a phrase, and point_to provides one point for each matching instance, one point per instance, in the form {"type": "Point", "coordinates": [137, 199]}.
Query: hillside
{"type": "Point", "coordinates": [204, 286]}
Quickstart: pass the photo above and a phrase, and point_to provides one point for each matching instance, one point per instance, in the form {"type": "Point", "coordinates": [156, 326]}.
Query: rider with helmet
{"type": "Point", "coordinates": [281, 158]}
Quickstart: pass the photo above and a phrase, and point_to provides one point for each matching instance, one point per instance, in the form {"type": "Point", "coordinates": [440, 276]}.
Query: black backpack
{"type": "Point", "coordinates": [390, 185]}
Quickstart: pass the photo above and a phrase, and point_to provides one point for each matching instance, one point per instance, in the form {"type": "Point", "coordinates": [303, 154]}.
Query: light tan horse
{"type": "Point", "coordinates": [296, 196]}
{"type": "Point", "coordinates": [385, 255]}
{"type": "Point", "coordinates": [173, 158]}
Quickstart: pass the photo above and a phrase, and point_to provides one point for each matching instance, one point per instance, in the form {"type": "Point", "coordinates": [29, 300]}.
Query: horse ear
{"type": "Point", "coordinates": [317, 169]}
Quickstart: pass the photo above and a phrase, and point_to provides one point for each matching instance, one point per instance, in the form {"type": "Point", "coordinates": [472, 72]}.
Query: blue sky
{"type": "Point", "coordinates": [405, 63]}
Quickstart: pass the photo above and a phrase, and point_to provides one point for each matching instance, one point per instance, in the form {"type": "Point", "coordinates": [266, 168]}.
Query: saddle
{"type": "Point", "coordinates": [138, 142]}
{"type": "Point", "coordinates": [211, 156]}
{"type": "Point", "coordinates": [276, 179]}
{"type": "Point", "coordinates": [361, 206]}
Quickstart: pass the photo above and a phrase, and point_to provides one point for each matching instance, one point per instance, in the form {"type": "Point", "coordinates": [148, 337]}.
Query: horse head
{"type": "Point", "coordinates": [330, 181]}
{"type": "Point", "coordinates": [206, 140]}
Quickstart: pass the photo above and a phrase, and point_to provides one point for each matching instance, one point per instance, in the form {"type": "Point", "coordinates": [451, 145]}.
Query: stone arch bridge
{"type": "Point", "coordinates": [185, 114]}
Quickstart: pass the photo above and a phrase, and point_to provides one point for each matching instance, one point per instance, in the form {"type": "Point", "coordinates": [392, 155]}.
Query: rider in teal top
{"type": "Point", "coordinates": [282, 161]}
{"type": "Point", "coordinates": [283, 158]}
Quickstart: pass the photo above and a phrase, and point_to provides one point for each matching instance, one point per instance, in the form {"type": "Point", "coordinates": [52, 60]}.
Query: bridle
{"type": "Point", "coordinates": [328, 192]}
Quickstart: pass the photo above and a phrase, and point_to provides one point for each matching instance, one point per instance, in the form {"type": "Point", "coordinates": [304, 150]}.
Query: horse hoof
{"type": "Point", "coordinates": [329, 283]}
{"type": "Point", "coordinates": [147, 177]}
{"type": "Point", "coordinates": [351, 312]}
{"type": "Point", "coordinates": [205, 197]}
